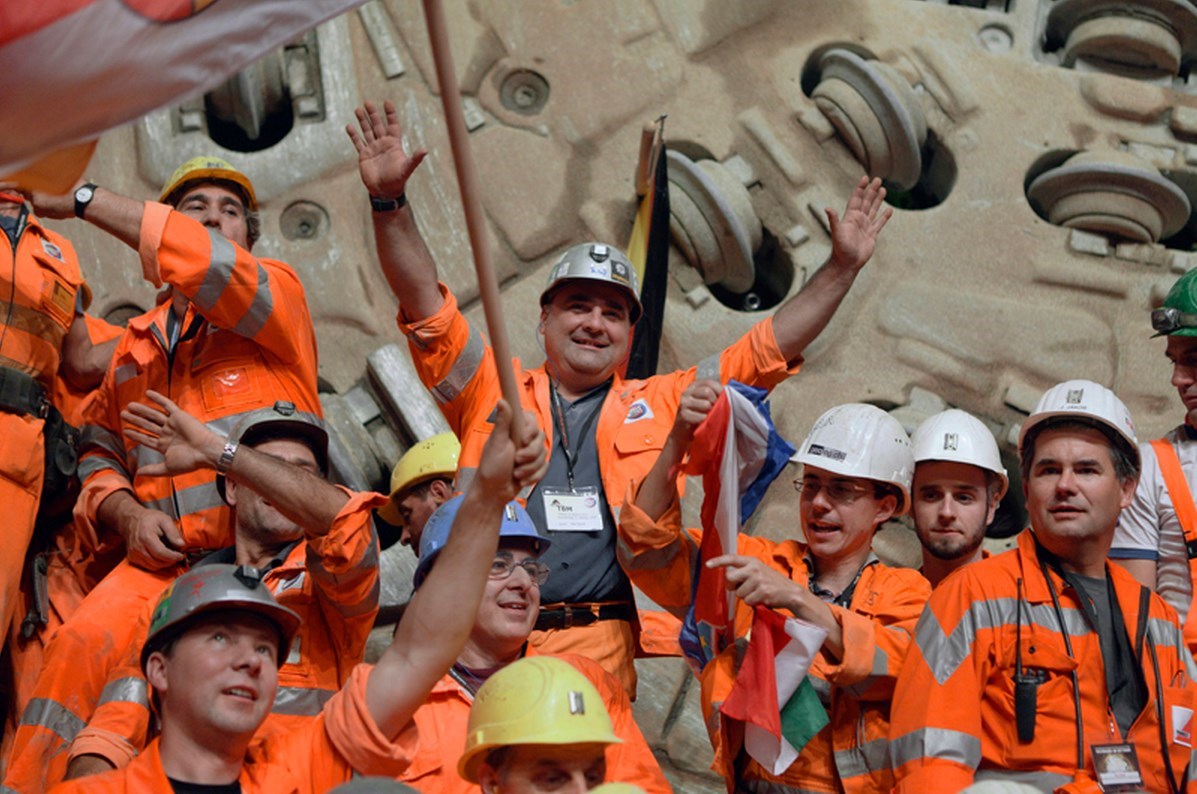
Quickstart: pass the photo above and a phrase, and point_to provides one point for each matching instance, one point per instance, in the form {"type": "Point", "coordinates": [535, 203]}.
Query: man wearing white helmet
{"type": "Point", "coordinates": [1046, 665]}
{"type": "Point", "coordinates": [603, 431]}
{"type": "Point", "coordinates": [958, 482]}
{"type": "Point", "coordinates": [856, 467]}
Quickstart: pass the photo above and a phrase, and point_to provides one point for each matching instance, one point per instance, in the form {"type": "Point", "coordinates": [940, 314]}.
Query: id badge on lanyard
{"type": "Point", "coordinates": [573, 509]}
{"type": "Point", "coordinates": [1117, 767]}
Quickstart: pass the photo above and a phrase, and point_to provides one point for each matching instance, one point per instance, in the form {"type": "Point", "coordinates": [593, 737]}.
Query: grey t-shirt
{"type": "Point", "coordinates": [584, 567]}
{"type": "Point", "coordinates": [1127, 692]}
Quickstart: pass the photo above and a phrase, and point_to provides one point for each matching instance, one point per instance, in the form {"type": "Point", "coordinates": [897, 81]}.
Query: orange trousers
{"type": "Point", "coordinates": [21, 460]}
{"type": "Point", "coordinates": [611, 643]}
{"type": "Point", "coordinates": [76, 665]}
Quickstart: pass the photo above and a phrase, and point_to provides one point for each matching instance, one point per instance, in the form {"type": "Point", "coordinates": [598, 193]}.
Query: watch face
{"type": "Point", "coordinates": [83, 194]}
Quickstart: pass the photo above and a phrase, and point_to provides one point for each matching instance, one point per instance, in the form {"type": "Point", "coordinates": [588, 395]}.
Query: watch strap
{"type": "Point", "coordinates": [388, 205]}
{"type": "Point", "coordinates": [225, 461]}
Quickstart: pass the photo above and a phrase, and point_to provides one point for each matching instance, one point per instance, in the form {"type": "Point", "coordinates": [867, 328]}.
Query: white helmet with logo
{"type": "Point", "coordinates": [957, 436]}
{"type": "Point", "coordinates": [859, 440]}
{"type": "Point", "coordinates": [1086, 401]}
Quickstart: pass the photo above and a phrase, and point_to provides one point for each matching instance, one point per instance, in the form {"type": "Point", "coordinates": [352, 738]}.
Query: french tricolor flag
{"type": "Point", "coordinates": [738, 453]}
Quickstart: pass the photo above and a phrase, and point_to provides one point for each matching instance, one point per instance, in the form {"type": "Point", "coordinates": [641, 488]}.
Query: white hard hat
{"type": "Point", "coordinates": [1084, 399]}
{"type": "Point", "coordinates": [859, 440]}
{"type": "Point", "coordinates": [959, 437]}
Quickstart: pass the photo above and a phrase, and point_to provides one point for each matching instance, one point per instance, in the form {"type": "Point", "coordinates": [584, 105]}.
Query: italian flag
{"type": "Point", "coordinates": [772, 695]}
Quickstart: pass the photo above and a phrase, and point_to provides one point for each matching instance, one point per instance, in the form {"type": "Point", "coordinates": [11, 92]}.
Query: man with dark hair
{"type": "Point", "coordinates": [421, 481]}
{"type": "Point", "coordinates": [1046, 665]}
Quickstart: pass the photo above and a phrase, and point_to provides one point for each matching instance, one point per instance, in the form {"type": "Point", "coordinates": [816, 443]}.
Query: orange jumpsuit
{"type": "Point", "coordinates": [442, 721]}
{"type": "Point", "coordinates": [457, 365]}
{"type": "Point", "coordinates": [39, 285]}
{"type": "Point", "coordinates": [953, 706]}
{"type": "Point", "coordinates": [341, 742]}
{"type": "Point", "coordinates": [330, 580]}
{"type": "Point", "coordinates": [849, 754]}
{"type": "Point", "coordinates": [246, 341]}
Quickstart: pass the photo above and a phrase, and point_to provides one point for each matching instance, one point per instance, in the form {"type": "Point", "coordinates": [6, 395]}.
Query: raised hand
{"type": "Point", "coordinates": [382, 162]}
{"type": "Point", "coordinates": [854, 236]}
{"type": "Point", "coordinates": [696, 402]}
{"type": "Point", "coordinates": [506, 468]}
{"type": "Point", "coordinates": [184, 442]}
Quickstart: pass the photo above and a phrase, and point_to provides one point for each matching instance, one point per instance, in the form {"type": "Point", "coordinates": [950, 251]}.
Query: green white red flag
{"type": "Point", "coordinates": [773, 695]}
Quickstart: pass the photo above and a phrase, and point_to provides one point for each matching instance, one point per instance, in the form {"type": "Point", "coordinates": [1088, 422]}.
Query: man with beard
{"type": "Point", "coordinates": [958, 482]}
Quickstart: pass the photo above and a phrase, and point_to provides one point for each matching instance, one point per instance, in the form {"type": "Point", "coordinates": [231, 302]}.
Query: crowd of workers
{"type": "Point", "coordinates": [187, 597]}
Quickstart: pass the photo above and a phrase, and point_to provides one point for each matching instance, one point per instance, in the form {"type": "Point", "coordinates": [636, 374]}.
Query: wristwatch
{"type": "Point", "coordinates": [83, 197]}
{"type": "Point", "coordinates": [225, 461]}
{"type": "Point", "coordinates": [388, 205]}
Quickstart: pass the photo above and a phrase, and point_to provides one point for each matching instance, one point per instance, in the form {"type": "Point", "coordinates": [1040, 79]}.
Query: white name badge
{"type": "Point", "coordinates": [577, 510]}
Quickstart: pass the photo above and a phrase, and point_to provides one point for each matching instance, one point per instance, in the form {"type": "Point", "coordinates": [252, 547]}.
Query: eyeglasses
{"type": "Point", "coordinates": [837, 490]}
{"type": "Point", "coordinates": [502, 568]}
{"type": "Point", "coordinates": [1167, 320]}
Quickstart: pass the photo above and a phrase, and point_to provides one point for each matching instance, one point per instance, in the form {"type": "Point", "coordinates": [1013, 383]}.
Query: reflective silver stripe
{"type": "Point", "coordinates": [822, 688]}
{"type": "Point", "coordinates": [944, 654]}
{"type": "Point", "coordinates": [1043, 781]}
{"type": "Point", "coordinates": [708, 368]}
{"type": "Point", "coordinates": [94, 464]}
{"type": "Point", "coordinates": [96, 436]}
{"type": "Point", "coordinates": [300, 701]}
{"type": "Point", "coordinates": [141, 456]}
{"type": "Point", "coordinates": [195, 499]}
{"type": "Point", "coordinates": [880, 670]}
{"type": "Point", "coordinates": [464, 477]}
{"type": "Point", "coordinates": [957, 746]}
{"type": "Point", "coordinates": [861, 760]}
{"type": "Point", "coordinates": [650, 560]}
{"type": "Point", "coordinates": [220, 271]}
{"type": "Point", "coordinates": [52, 715]}
{"type": "Point", "coordinates": [124, 373]}
{"type": "Point", "coordinates": [125, 690]}
{"type": "Point", "coordinates": [463, 369]}
{"type": "Point", "coordinates": [259, 311]}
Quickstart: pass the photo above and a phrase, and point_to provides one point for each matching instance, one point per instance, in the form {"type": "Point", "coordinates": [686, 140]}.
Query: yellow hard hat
{"type": "Point", "coordinates": [206, 168]}
{"type": "Point", "coordinates": [433, 457]}
{"type": "Point", "coordinates": [535, 700]}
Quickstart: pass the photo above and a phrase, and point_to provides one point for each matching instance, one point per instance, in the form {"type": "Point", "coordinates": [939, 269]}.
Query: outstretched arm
{"type": "Point", "coordinates": [442, 612]}
{"type": "Point", "coordinates": [385, 168]}
{"type": "Point", "coordinates": [118, 215]}
{"type": "Point", "coordinates": [853, 238]}
{"type": "Point", "coordinates": [187, 444]}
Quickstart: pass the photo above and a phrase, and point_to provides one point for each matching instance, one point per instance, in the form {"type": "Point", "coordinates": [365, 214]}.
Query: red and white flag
{"type": "Point", "coordinates": [75, 68]}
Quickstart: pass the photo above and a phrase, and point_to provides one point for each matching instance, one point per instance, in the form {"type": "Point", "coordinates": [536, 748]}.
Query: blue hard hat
{"type": "Point", "coordinates": [516, 524]}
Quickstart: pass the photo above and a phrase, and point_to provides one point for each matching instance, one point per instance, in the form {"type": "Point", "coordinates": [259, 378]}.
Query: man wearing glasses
{"type": "Point", "coordinates": [510, 605]}
{"type": "Point", "coordinates": [1156, 537]}
{"type": "Point", "coordinates": [857, 464]}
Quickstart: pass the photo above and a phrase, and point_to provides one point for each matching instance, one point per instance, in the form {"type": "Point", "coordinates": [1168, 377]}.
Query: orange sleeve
{"type": "Point", "coordinates": [658, 556]}
{"type": "Point", "coordinates": [355, 737]}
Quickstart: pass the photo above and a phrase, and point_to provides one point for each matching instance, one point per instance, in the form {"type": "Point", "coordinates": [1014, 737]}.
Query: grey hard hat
{"type": "Point", "coordinates": [281, 420]}
{"type": "Point", "coordinates": [596, 262]}
{"type": "Point", "coordinates": [209, 588]}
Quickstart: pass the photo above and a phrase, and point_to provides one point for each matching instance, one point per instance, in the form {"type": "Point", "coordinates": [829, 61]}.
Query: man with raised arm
{"type": "Point", "coordinates": [603, 431]}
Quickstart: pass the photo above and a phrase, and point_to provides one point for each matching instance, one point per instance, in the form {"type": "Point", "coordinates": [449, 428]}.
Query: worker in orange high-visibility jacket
{"type": "Point", "coordinates": [65, 565]}
{"type": "Point", "coordinates": [217, 635]}
{"type": "Point", "coordinates": [498, 640]}
{"type": "Point", "coordinates": [857, 464]}
{"type": "Point", "coordinates": [233, 335]}
{"type": "Point", "coordinates": [326, 574]}
{"type": "Point", "coordinates": [603, 431]}
{"type": "Point", "coordinates": [1047, 665]}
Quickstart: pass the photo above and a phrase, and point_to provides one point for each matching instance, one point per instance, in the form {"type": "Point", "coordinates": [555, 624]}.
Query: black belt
{"type": "Point", "coordinates": [570, 615]}
{"type": "Point", "coordinates": [21, 394]}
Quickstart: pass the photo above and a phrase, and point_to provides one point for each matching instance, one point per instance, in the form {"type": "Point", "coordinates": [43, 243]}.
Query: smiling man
{"type": "Point", "coordinates": [1156, 539]}
{"type": "Point", "coordinates": [603, 431]}
{"type": "Point", "coordinates": [499, 638]}
{"type": "Point", "coordinates": [1046, 665]}
{"type": "Point", "coordinates": [958, 482]}
{"type": "Point", "coordinates": [856, 465]}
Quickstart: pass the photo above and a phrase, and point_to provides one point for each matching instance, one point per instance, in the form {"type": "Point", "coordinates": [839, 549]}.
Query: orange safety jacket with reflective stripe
{"type": "Point", "coordinates": [953, 710]}
{"type": "Point", "coordinates": [442, 721]}
{"type": "Point", "coordinates": [331, 581]}
{"type": "Point", "coordinates": [246, 342]}
{"type": "Point", "coordinates": [849, 754]}
{"type": "Point", "coordinates": [324, 753]}
{"type": "Point", "coordinates": [39, 286]}
{"type": "Point", "coordinates": [1186, 513]}
{"type": "Point", "coordinates": [456, 363]}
